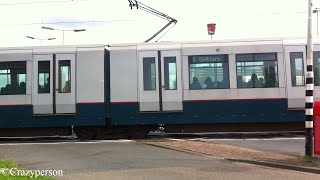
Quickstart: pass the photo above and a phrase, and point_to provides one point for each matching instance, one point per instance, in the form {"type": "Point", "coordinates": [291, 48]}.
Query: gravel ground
{"type": "Point", "coordinates": [231, 152]}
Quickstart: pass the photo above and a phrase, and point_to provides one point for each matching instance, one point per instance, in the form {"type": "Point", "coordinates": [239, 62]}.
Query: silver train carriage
{"type": "Point", "coordinates": [99, 90]}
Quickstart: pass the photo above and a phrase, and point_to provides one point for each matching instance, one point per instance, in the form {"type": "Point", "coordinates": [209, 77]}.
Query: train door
{"type": "Point", "coordinates": [160, 86]}
{"type": "Point", "coordinates": [42, 84]}
{"type": "Point", "coordinates": [171, 81]}
{"type": "Point", "coordinates": [295, 59]}
{"type": "Point", "coordinates": [54, 84]}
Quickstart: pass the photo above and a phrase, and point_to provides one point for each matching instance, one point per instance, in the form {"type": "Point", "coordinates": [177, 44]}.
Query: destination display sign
{"type": "Point", "coordinates": [206, 59]}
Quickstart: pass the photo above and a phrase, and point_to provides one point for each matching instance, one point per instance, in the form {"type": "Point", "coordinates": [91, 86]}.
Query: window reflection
{"type": "Point", "coordinates": [209, 72]}
{"type": "Point", "coordinates": [297, 68]}
{"type": "Point", "coordinates": [170, 73]}
{"type": "Point", "coordinates": [64, 76]}
{"type": "Point", "coordinates": [316, 66]}
{"type": "Point", "coordinates": [149, 74]}
{"type": "Point", "coordinates": [43, 77]}
{"type": "Point", "coordinates": [12, 78]}
{"type": "Point", "coordinates": [257, 70]}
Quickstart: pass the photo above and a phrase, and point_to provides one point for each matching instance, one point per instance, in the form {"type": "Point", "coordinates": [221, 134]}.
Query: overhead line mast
{"type": "Point", "coordinates": [309, 87]}
{"type": "Point", "coordinates": [139, 5]}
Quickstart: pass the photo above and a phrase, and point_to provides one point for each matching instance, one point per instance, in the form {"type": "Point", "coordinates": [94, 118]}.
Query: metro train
{"type": "Point", "coordinates": [97, 90]}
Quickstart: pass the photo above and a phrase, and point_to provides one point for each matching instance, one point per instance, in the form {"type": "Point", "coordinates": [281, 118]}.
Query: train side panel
{"type": "Point", "coordinates": [124, 85]}
{"type": "Point", "coordinates": [295, 60]}
{"type": "Point", "coordinates": [235, 104]}
{"type": "Point", "coordinates": [90, 103]}
{"type": "Point", "coordinates": [15, 109]}
{"type": "Point", "coordinates": [58, 86]}
{"type": "Point", "coordinates": [225, 105]}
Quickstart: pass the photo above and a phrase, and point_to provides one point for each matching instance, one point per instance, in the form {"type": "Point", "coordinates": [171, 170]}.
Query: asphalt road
{"type": "Point", "coordinates": [133, 160]}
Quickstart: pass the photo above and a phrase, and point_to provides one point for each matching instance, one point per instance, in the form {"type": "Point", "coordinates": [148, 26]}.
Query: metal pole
{"type": "Point", "coordinates": [62, 37]}
{"type": "Point", "coordinates": [309, 88]}
{"type": "Point", "coordinates": [317, 23]}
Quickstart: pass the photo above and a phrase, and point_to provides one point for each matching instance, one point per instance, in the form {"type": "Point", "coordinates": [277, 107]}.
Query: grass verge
{"type": "Point", "coordinates": [6, 164]}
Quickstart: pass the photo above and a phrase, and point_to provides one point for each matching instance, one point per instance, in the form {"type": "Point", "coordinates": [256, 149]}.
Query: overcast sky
{"type": "Point", "coordinates": [234, 19]}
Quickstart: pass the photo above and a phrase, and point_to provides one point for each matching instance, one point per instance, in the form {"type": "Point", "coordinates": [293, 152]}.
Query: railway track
{"type": "Point", "coordinates": [153, 136]}
{"type": "Point", "coordinates": [245, 130]}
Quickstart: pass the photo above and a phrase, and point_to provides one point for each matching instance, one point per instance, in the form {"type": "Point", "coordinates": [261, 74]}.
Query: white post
{"type": "Point", "coordinates": [317, 23]}
{"type": "Point", "coordinates": [309, 87]}
{"type": "Point", "coordinates": [62, 37]}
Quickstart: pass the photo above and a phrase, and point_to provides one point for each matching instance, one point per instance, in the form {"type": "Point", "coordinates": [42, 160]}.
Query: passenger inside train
{"type": "Point", "coordinates": [254, 82]}
{"type": "Point", "coordinates": [241, 83]}
{"type": "Point", "coordinates": [209, 84]}
{"type": "Point", "coordinates": [10, 89]}
{"type": "Point", "coordinates": [195, 83]}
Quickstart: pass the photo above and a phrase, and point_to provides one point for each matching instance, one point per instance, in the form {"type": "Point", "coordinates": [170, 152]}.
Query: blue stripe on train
{"type": "Point", "coordinates": [231, 111]}
{"type": "Point", "coordinates": [21, 116]}
{"type": "Point", "coordinates": [90, 114]}
{"type": "Point", "coordinates": [228, 111]}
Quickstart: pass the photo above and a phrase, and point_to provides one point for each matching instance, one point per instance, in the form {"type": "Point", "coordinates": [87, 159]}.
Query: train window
{"type": "Point", "coordinates": [208, 72]}
{"type": "Point", "coordinates": [297, 70]}
{"type": "Point", "coordinates": [43, 77]}
{"type": "Point", "coordinates": [12, 78]}
{"type": "Point", "coordinates": [257, 70]}
{"type": "Point", "coordinates": [316, 67]}
{"type": "Point", "coordinates": [149, 74]}
{"type": "Point", "coordinates": [170, 73]}
{"type": "Point", "coordinates": [64, 76]}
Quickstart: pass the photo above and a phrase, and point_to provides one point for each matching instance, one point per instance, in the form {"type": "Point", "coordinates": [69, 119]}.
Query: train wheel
{"type": "Point", "coordinates": [86, 133]}
{"type": "Point", "coordinates": [139, 132]}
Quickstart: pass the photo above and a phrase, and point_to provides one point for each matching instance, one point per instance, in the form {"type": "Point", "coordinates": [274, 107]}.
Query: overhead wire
{"type": "Point", "coordinates": [141, 6]}
{"type": "Point", "coordinates": [66, 22]}
{"type": "Point", "coordinates": [165, 33]}
{"type": "Point", "coordinates": [38, 2]}
{"type": "Point", "coordinates": [52, 1]}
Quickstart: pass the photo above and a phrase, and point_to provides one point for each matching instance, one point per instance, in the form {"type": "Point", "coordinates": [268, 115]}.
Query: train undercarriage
{"type": "Point", "coordinates": [142, 131]}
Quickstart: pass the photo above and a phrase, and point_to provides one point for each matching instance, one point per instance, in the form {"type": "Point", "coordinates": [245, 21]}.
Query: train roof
{"type": "Point", "coordinates": [60, 47]}
{"type": "Point", "coordinates": [251, 41]}
{"type": "Point", "coordinates": [219, 42]}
